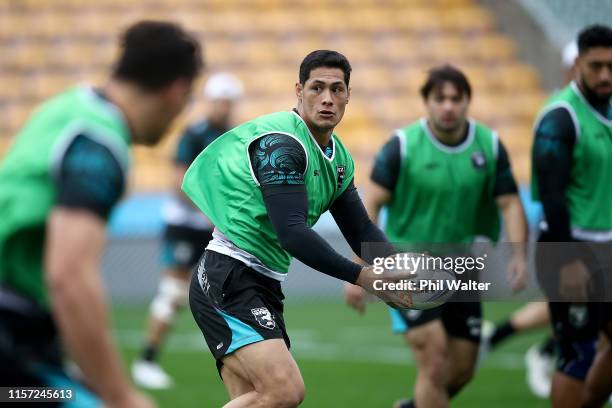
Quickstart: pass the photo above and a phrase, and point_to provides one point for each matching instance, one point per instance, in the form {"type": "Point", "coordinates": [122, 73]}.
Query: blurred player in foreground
{"type": "Point", "coordinates": [60, 179]}
{"type": "Point", "coordinates": [442, 180]}
{"type": "Point", "coordinates": [263, 185]}
{"type": "Point", "coordinates": [187, 230]}
{"type": "Point", "coordinates": [572, 164]}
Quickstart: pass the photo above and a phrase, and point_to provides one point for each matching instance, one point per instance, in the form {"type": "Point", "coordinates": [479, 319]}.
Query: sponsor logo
{"type": "Point", "coordinates": [340, 170]}
{"type": "Point", "coordinates": [219, 345]}
{"type": "Point", "coordinates": [316, 173]}
{"type": "Point", "coordinates": [264, 317]}
{"type": "Point", "coordinates": [578, 316]}
{"type": "Point", "coordinates": [478, 160]}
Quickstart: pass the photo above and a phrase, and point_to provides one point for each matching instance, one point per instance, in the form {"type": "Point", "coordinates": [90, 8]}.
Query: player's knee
{"type": "Point", "coordinates": [430, 353]}
{"type": "Point", "coordinates": [434, 370]}
{"type": "Point", "coordinates": [288, 389]}
{"type": "Point", "coordinates": [431, 361]}
{"type": "Point", "coordinates": [171, 295]}
{"type": "Point", "coordinates": [460, 379]}
{"type": "Point", "coordinates": [289, 393]}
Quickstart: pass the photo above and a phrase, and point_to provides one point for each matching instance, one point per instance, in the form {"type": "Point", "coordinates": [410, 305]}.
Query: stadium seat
{"type": "Point", "coordinates": [46, 45]}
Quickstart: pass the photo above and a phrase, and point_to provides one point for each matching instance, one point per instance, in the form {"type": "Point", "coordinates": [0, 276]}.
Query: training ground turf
{"type": "Point", "coordinates": [347, 360]}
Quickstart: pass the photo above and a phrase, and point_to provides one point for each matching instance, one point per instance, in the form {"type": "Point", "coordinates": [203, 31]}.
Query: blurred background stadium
{"type": "Point", "coordinates": [510, 50]}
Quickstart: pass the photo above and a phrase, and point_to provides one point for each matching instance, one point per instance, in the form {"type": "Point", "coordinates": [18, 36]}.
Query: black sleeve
{"type": "Point", "coordinates": [89, 177]}
{"type": "Point", "coordinates": [504, 180]}
{"type": "Point", "coordinates": [278, 159]}
{"type": "Point", "coordinates": [187, 149]}
{"type": "Point", "coordinates": [552, 159]}
{"type": "Point", "coordinates": [387, 164]}
{"type": "Point", "coordinates": [287, 207]}
{"type": "Point", "coordinates": [356, 226]}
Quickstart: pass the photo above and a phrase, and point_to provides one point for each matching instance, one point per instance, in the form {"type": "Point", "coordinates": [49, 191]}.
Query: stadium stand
{"type": "Point", "coordinates": [46, 45]}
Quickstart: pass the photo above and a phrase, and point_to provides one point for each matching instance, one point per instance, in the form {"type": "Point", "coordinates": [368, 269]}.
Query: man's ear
{"type": "Point", "coordinates": [348, 94]}
{"type": "Point", "coordinates": [299, 89]}
{"type": "Point", "coordinates": [175, 90]}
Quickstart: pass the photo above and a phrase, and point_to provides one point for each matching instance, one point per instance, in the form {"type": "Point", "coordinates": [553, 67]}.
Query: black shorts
{"type": "Point", "coordinates": [183, 246]}
{"type": "Point", "coordinates": [31, 356]}
{"type": "Point", "coordinates": [235, 306]}
{"type": "Point", "coordinates": [576, 327]}
{"type": "Point", "coordinates": [460, 319]}
{"type": "Point", "coordinates": [579, 321]}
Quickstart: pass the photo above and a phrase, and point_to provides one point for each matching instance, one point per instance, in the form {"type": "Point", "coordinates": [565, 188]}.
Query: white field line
{"type": "Point", "coordinates": [304, 345]}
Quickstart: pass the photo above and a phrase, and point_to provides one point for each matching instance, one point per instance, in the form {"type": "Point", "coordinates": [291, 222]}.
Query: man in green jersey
{"type": "Point", "coordinates": [263, 185]}
{"type": "Point", "coordinates": [572, 177]}
{"type": "Point", "coordinates": [442, 180]}
{"type": "Point", "coordinates": [64, 172]}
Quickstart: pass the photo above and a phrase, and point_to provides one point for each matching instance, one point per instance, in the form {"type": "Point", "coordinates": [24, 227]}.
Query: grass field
{"type": "Point", "coordinates": [346, 360]}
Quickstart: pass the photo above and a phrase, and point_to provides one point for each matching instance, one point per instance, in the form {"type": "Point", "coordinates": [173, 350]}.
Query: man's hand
{"type": "Point", "coordinates": [399, 298]}
{"type": "Point", "coordinates": [574, 281]}
{"type": "Point", "coordinates": [134, 399]}
{"type": "Point", "coordinates": [74, 245]}
{"type": "Point", "coordinates": [355, 297]}
{"type": "Point", "coordinates": [517, 272]}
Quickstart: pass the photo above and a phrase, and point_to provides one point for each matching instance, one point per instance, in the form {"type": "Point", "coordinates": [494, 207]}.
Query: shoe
{"type": "Point", "coordinates": [404, 403]}
{"type": "Point", "coordinates": [540, 368]}
{"type": "Point", "coordinates": [150, 375]}
{"type": "Point", "coordinates": [486, 333]}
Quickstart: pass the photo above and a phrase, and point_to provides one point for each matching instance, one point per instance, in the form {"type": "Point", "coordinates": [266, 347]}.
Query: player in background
{"type": "Point", "coordinates": [187, 230]}
{"type": "Point", "coordinates": [263, 185]}
{"type": "Point", "coordinates": [425, 204]}
{"type": "Point", "coordinates": [539, 358]}
{"type": "Point", "coordinates": [572, 174]}
{"type": "Point", "coordinates": [64, 172]}
{"type": "Point", "coordinates": [568, 60]}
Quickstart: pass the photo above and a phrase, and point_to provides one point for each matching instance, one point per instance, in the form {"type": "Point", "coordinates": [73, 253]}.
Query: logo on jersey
{"type": "Point", "coordinates": [340, 172]}
{"type": "Point", "coordinates": [478, 160]}
{"type": "Point", "coordinates": [264, 317]}
{"type": "Point", "coordinates": [578, 316]}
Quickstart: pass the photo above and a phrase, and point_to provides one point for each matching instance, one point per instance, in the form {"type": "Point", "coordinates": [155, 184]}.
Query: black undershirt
{"type": "Point", "coordinates": [279, 162]}
{"type": "Point", "coordinates": [553, 147]}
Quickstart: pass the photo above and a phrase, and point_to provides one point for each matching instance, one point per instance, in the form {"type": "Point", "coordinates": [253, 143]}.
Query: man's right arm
{"type": "Point", "coordinates": [555, 137]}
{"type": "Point", "coordinates": [279, 162]}
{"type": "Point", "coordinates": [89, 182]}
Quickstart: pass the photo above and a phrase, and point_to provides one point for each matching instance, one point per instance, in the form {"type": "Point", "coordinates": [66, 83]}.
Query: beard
{"type": "Point", "coordinates": [593, 93]}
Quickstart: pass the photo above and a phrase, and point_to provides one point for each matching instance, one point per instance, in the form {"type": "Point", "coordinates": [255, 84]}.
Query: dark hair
{"type": "Point", "coordinates": [324, 58]}
{"type": "Point", "coordinates": [594, 36]}
{"type": "Point", "coordinates": [155, 53]}
{"type": "Point", "coordinates": [446, 73]}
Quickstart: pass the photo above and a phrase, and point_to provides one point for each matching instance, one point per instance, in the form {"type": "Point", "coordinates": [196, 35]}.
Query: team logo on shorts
{"type": "Point", "coordinates": [340, 170]}
{"type": "Point", "coordinates": [478, 160]}
{"type": "Point", "coordinates": [264, 317]}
